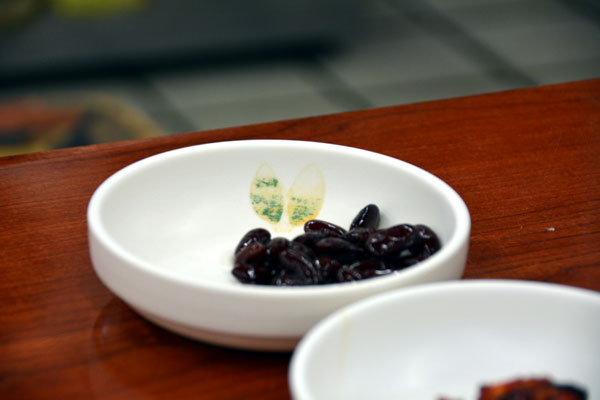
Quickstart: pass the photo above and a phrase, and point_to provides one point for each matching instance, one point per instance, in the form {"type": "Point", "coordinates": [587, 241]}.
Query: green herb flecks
{"type": "Point", "coordinates": [270, 209]}
{"type": "Point", "coordinates": [302, 209]}
{"type": "Point", "coordinates": [306, 196]}
{"type": "Point", "coordinates": [273, 182]}
{"type": "Point", "coordinates": [266, 194]}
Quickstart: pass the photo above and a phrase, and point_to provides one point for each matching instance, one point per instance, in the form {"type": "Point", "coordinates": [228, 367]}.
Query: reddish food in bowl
{"type": "Point", "coordinates": [531, 389]}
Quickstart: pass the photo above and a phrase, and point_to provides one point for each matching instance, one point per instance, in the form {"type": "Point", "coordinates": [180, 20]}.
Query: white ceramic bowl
{"type": "Point", "coordinates": [446, 339]}
{"type": "Point", "coordinates": [162, 233]}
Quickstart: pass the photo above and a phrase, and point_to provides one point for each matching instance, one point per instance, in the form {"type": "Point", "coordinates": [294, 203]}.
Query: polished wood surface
{"type": "Point", "coordinates": [526, 162]}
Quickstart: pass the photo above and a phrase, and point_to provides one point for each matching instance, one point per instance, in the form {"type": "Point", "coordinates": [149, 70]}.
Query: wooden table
{"type": "Point", "coordinates": [527, 163]}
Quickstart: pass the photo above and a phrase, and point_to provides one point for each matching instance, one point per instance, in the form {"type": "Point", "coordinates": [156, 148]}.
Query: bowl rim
{"type": "Point", "coordinates": [306, 346]}
{"type": "Point", "coordinates": [98, 231]}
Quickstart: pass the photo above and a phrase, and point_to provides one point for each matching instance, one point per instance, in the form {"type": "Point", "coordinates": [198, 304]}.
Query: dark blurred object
{"type": "Point", "coordinates": [31, 125]}
{"type": "Point", "coordinates": [18, 13]}
{"type": "Point", "coordinates": [69, 38]}
{"type": "Point", "coordinates": [37, 124]}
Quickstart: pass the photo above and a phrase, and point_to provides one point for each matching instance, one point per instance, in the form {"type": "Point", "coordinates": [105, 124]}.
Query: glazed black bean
{"type": "Point", "coordinates": [328, 268]}
{"type": "Point", "coordinates": [367, 218]}
{"type": "Point", "coordinates": [339, 248]}
{"type": "Point", "coordinates": [389, 241]}
{"type": "Point", "coordinates": [323, 227]}
{"type": "Point", "coordinates": [303, 249]}
{"type": "Point", "coordinates": [309, 238]}
{"type": "Point", "coordinates": [276, 246]}
{"type": "Point", "coordinates": [251, 264]}
{"type": "Point", "coordinates": [358, 235]}
{"type": "Point", "coordinates": [299, 265]}
{"type": "Point", "coordinates": [254, 252]}
{"type": "Point", "coordinates": [430, 241]}
{"type": "Point", "coordinates": [362, 269]}
{"type": "Point", "coordinates": [285, 278]}
{"type": "Point", "coordinates": [326, 253]}
{"type": "Point", "coordinates": [347, 274]}
{"type": "Point", "coordinates": [405, 258]}
{"type": "Point", "coordinates": [259, 235]}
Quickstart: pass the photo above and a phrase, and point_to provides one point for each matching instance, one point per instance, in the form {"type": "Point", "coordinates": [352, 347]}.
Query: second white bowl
{"type": "Point", "coordinates": [446, 339]}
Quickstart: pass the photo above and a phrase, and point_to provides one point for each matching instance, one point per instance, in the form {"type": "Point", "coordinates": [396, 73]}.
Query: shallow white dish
{"type": "Point", "coordinates": [446, 339]}
{"type": "Point", "coordinates": [162, 232]}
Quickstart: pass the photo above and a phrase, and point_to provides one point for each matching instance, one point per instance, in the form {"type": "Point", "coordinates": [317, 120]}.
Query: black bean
{"type": "Point", "coordinates": [339, 248]}
{"type": "Point", "coordinates": [250, 265]}
{"type": "Point", "coordinates": [308, 239]}
{"type": "Point", "coordinates": [324, 227]}
{"type": "Point", "coordinates": [299, 265]}
{"type": "Point", "coordinates": [364, 269]}
{"type": "Point", "coordinates": [259, 235]}
{"type": "Point", "coordinates": [303, 249]}
{"type": "Point", "coordinates": [427, 244]}
{"type": "Point", "coordinates": [367, 218]}
{"type": "Point", "coordinates": [392, 240]}
{"type": "Point", "coordinates": [328, 268]}
{"type": "Point", "coordinates": [245, 273]}
{"type": "Point", "coordinates": [430, 240]}
{"type": "Point", "coordinates": [347, 274]}
{"type": "Point", "coordinates": [254, 252]}
{"type": "Point", "coordinates": [286, 278]}
{"type": "Point", "coordinates": [358, 236]}
{"type": "Point", "coordinates": [403, 259]}
{"type": "Point", "coordinates": [415, 259]}
{"type": "Point", "coordinates": [276, 246]}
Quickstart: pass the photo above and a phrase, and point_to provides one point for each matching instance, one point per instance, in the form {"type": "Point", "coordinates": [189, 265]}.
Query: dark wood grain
{"type": "Point", "coordinates": [527, 163]}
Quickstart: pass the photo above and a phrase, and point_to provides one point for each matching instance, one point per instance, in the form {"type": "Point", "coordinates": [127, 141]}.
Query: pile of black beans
{"type": "Point", "coordinates": [327, 253]}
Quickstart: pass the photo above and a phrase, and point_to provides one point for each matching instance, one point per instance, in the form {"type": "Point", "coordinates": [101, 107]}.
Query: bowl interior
{"type": "Point", "coordinates": [447, 339]}
{"type": "Point", "coordinates": [184, 211]}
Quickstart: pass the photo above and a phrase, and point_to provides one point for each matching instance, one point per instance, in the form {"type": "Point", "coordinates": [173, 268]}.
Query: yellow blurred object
{"type": "Point", "coordinates": [96, 8]}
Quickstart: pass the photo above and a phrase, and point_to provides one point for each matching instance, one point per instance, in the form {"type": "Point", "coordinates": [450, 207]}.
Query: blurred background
{"type": "Point", "coordinates": [76, 72]}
